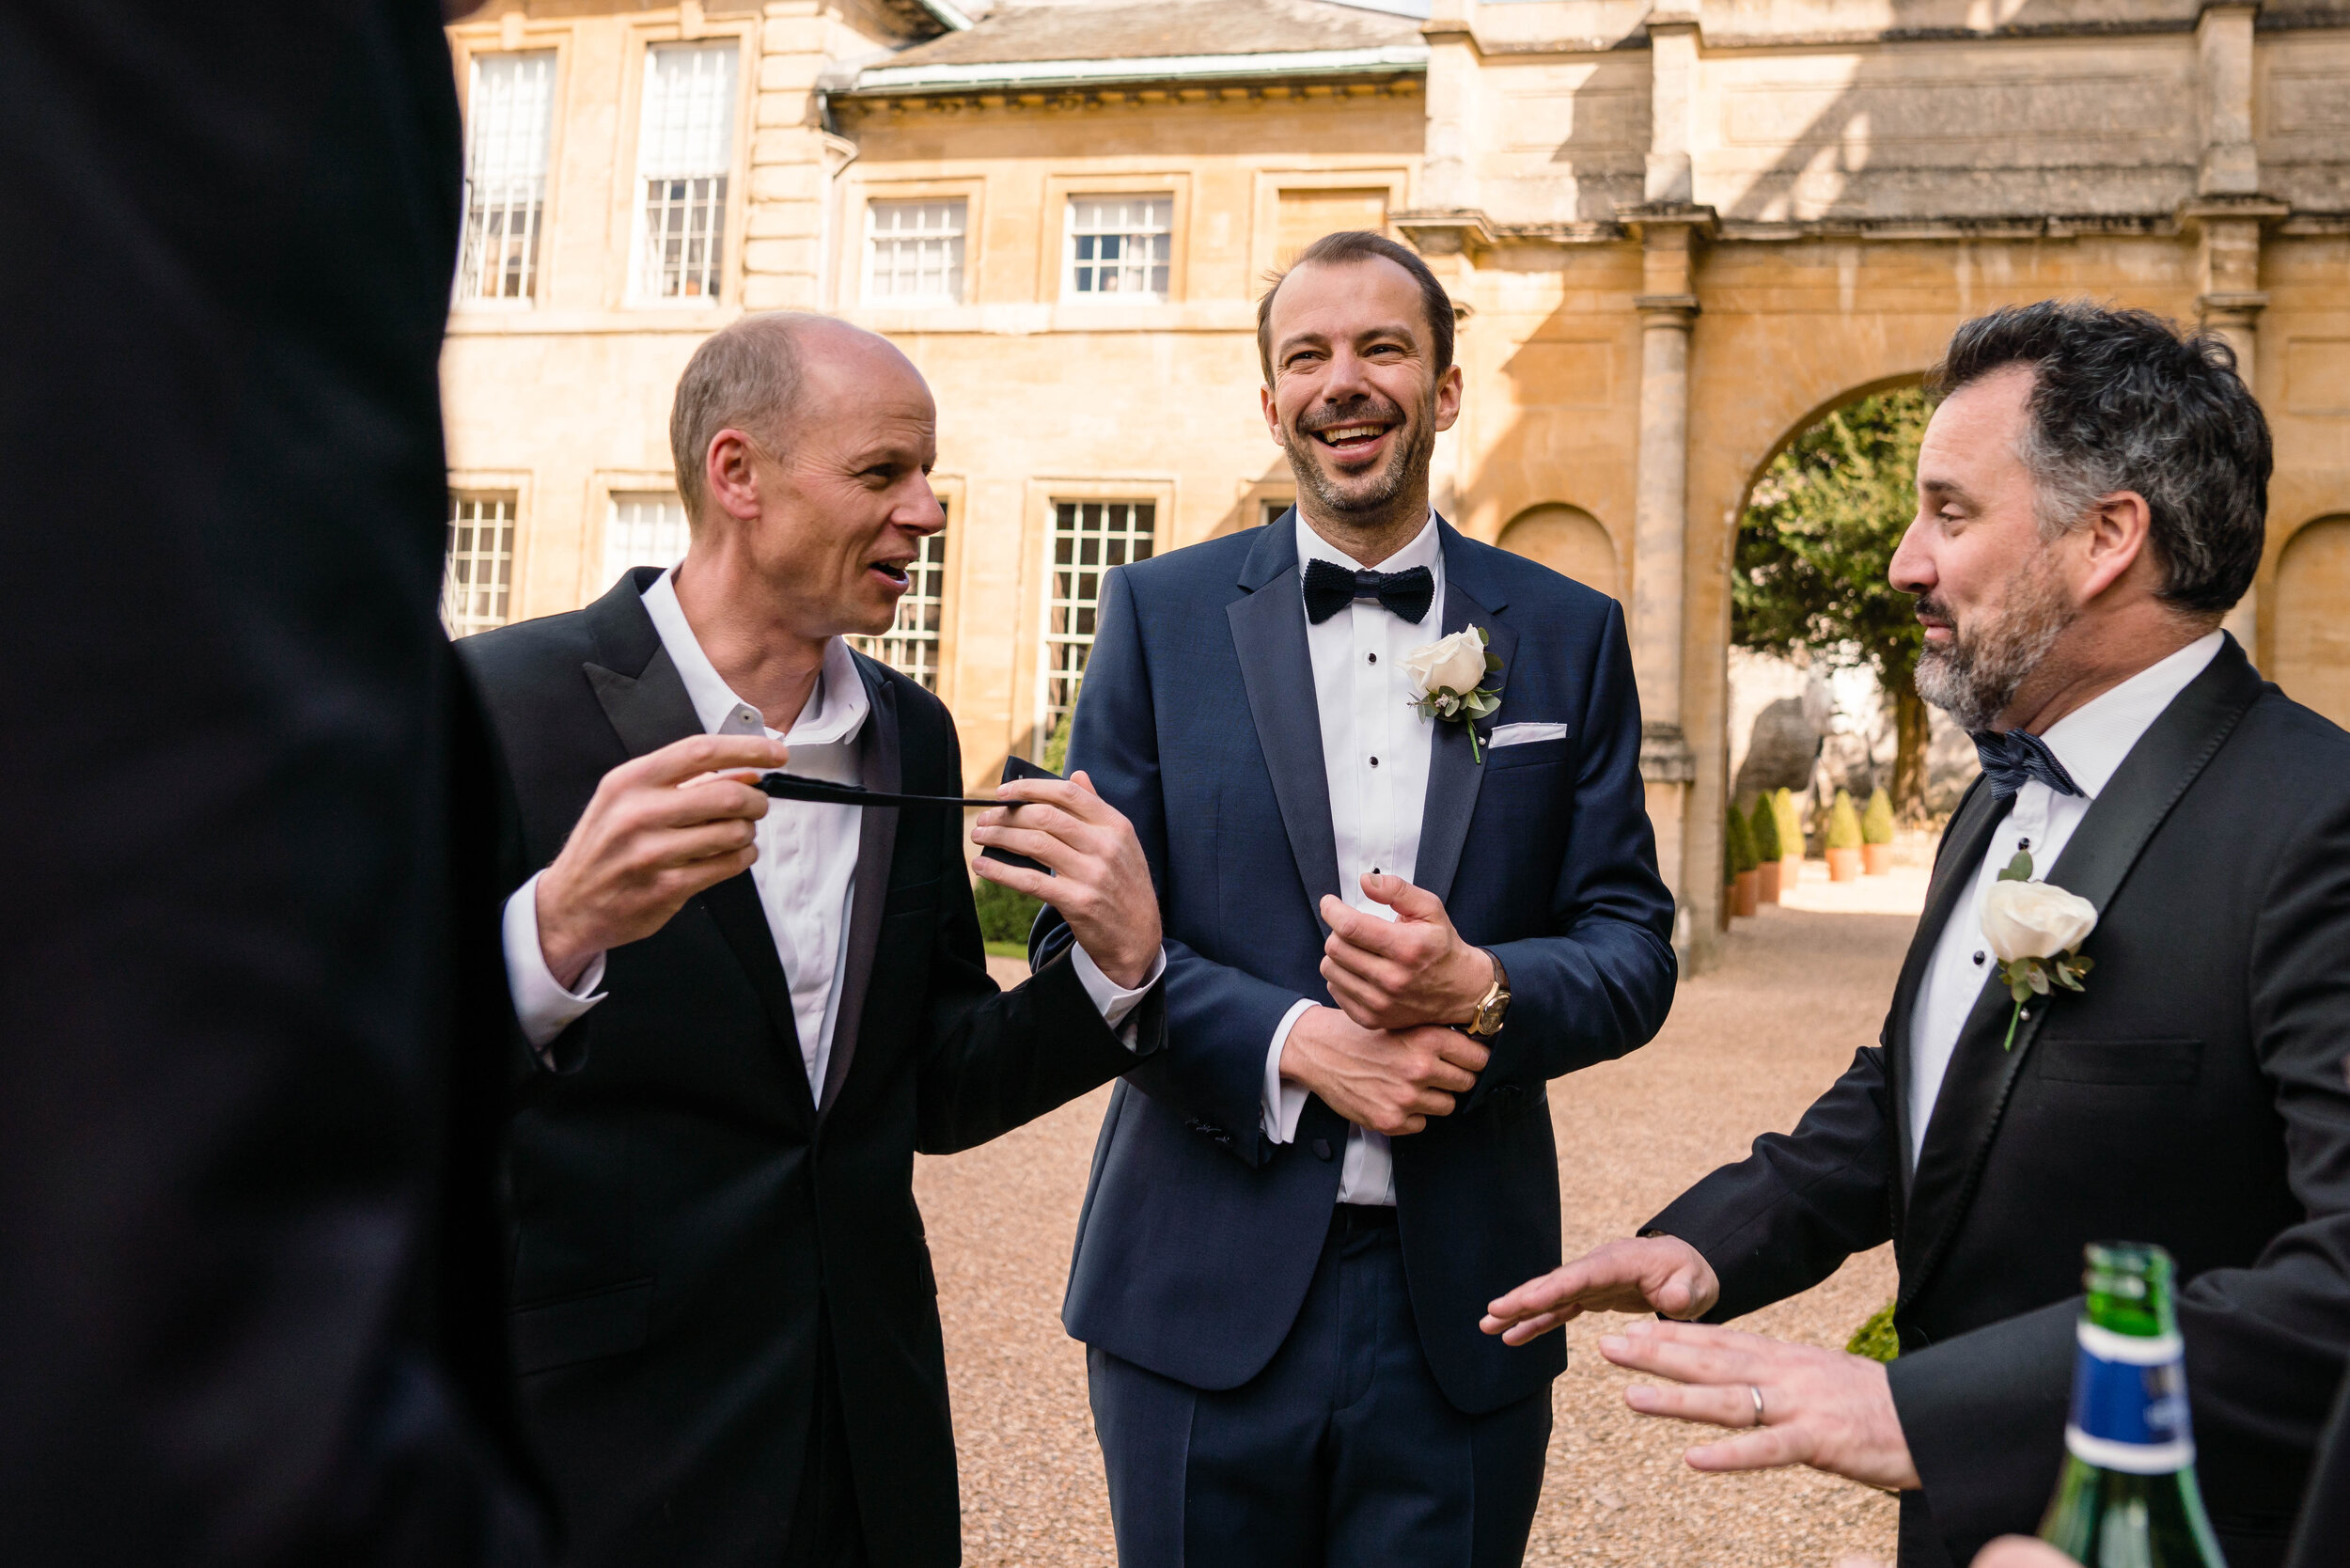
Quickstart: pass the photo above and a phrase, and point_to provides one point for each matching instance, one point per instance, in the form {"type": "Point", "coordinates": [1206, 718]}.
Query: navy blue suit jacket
{"type": "Point", "coordinates": [1200, 1235]}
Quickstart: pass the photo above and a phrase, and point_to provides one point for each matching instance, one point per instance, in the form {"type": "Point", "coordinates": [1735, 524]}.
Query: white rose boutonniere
{"type": "Point", "coordinates": [1447, 681]}
{"type": "Point", "coordinates": [2035, 929]}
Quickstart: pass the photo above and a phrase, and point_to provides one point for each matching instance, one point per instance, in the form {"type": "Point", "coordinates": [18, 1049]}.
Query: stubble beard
{"type": "Point", "coordinates": [1364, 508]}
{"type": "Point", "coordinates": [1975, 675]}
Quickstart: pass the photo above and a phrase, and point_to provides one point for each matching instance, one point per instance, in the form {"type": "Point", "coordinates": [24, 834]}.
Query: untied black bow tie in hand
{"type": "Point", "coordinates": [1331, 588]}
{"type": "Point", "coordinates": [2008, 759]}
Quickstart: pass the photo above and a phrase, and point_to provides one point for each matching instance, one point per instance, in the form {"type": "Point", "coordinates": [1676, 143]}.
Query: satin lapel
{"type": "Point", "coordinates": [1453, 774]}
{"type": "Point", "coordinates": [1955, 869]}
{"type": "Point", "coordinates": [2095, 862]}
{"type": "Point", "coordinates": [649, 711]}
{"type": "Point", "coordinates": [879, 767]}
{"type": "Point", "coordinates": [1269, 633]}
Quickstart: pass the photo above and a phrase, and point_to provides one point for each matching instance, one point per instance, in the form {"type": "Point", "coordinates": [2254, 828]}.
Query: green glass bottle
{"type": "Point", "coordinates": [2127, 1497]}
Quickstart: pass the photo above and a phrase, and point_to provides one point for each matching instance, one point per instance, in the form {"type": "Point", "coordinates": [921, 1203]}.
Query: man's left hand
{"type": "Point", "coordinates": [1824, 1408]}
{"type": "Point", "coordinates": [1402, 973]}
{"type": "Point", "coordinates": [1099, 880]}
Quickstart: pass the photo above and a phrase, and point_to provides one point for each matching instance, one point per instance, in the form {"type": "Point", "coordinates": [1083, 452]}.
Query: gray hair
{"type": "Point", "coordinates": [745, 376]}
{"type": "Point", "coordinates": [2121, 399]}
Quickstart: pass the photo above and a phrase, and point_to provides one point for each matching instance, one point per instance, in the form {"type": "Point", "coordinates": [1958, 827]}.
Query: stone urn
{"type": "Point", "coordinates": [1876, 860]}
{"type": "Point", "coordinates": [1766, 882]}
{"type": "Point", "coordinates": [1843, 865]}
{"type": "Point", "coordinates": [1744, 890]}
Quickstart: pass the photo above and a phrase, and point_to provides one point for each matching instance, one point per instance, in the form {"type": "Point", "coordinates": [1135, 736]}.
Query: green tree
{"type": "Point", "coordinates": [1844, 824]}
{"type": "Point", "coordinates": [1790, 822]}
{"type": "Point", "coordinates": [1763, 830]}
{"type": "Point", "coordinates": [1814, 547]}
{"type": "Point", "coordinates": [1876, 823]}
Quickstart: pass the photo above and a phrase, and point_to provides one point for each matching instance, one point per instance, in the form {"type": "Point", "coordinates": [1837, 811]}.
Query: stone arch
{"type": "Point", "coordinates": [2311, 629]}
{"type": "Point", "coordinates": [1569, 541]}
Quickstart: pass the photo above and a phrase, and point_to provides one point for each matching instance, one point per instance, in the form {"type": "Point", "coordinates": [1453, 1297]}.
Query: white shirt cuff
{"type": "Point", "coordinates": [542, 1005]}
{"type": "Point", "coordinates": [1111, 999]}
{"type": "Point", "coordinates": [1284, 1102]}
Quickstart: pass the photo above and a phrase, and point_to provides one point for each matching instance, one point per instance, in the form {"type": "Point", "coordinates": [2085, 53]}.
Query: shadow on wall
{"type": "Point", "coordinates": [1570, 541]}
{"type": "Point", "coordinates": [1903, 134]}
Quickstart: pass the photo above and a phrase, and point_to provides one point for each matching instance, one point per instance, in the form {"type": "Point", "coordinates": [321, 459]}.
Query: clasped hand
{"type": "Point", "coordinates": [1386, 1057]}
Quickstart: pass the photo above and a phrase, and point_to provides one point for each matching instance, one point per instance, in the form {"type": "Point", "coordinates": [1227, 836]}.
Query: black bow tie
{"type": "Point", "coordinates": [1331, 588]}
{"type": "Point", "coordinates": [2008, 759]}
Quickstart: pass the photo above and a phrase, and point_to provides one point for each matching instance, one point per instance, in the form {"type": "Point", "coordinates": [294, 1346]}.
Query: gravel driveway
{"type": "Point", "coordinates": [1747, 1049]}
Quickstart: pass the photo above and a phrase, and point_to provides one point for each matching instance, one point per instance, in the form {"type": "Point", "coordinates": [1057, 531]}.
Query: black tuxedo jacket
{"type": "Point", "coordinates": [251, 1298]}
{"type": "Point", "coordinates": [685, 1207]}
{"type": "Point", "coordinates": [2197, 1095]}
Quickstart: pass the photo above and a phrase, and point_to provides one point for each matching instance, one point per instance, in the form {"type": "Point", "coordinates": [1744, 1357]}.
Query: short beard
{"type": "Point", "coordinates": [1408, 463]}
{"type": "Point", "coordinates": [1977, 674]}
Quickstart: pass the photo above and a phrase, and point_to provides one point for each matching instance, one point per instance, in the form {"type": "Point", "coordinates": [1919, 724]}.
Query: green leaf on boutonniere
{"type": "Point", "coordinates": [2019, 868]}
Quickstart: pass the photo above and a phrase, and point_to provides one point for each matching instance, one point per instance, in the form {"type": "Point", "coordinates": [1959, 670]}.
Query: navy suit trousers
{"type": "Point", "coordinates": [1343, 1450]}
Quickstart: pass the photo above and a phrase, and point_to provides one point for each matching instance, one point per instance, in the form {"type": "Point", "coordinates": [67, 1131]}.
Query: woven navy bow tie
{"type": "Point", "coordinates": [2008, 759]}
{"type": "Point", "coordinates": [1331, 588]}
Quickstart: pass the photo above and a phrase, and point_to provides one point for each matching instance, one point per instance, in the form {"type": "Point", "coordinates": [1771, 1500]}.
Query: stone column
{"type": "Point", "coordinates": [1448, 179]}
{"type": "Point", "coordinates": [1667, 307]}
{"type": "Point", "coordinates": [1672, 95]}
{"type": "Point", "coordinates": [2227, 214]}
{"type": "Point", "coordinates": [790, 188]}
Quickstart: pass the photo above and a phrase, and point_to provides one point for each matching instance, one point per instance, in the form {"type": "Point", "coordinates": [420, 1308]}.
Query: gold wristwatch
{"type": "Point", "coordinates": [1490, 1008]}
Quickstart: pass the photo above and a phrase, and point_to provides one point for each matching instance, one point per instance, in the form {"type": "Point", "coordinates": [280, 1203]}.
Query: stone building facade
{"type": "Point", "coordinates": [1675, 237]}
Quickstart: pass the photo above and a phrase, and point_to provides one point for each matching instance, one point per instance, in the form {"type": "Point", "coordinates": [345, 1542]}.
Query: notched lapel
{"type": "Point", "coordinates": [1269, 633]}
{"type": "Point", "coordinates": [880, 767]}
{"type": "Point", "coordinates": [2095, 863]}
{"type": "Point", "coordinates": [1454, 775]}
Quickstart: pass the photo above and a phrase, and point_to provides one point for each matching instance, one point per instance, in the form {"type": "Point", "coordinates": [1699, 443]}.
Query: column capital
{"type": "Point", "coordinates": [1664, 755]}
{"type": "Point", "coordinates": [1644, 218]}
{"type": "Point", "coordinates": [1667, 310]}
{"type": "Point", "coordinates": [1446, 231]}
{"type": "Point", "coordinates": [2196, 214]}
{"type": "Point", "coordinates": [2238, 309]}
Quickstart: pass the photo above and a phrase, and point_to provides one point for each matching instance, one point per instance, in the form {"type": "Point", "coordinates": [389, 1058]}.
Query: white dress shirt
{"type": "Point", "coordinates": [806, 872]}
{"type": "Point", "coordinates": [1374, 750]}
{"type": "Point", "coordinates": [2090, 742]}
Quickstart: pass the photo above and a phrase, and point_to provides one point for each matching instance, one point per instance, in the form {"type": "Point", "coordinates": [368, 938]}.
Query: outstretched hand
{"type": "Point", "coordinates": [1798, 1404]}
{"type": "Point", "coordinates": [1644, 1274]}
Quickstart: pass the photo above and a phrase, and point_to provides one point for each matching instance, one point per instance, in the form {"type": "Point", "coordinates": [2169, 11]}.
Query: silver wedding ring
{"type": "Point", "coordinates": [1757, 1392]}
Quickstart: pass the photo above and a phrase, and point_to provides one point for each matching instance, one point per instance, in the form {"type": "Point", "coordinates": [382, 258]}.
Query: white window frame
{"type": "Point", "coordinates": [952, 234]}
{"type": "Point", "coordinates": [1125, 529]}
{"type": "Point", "coordinates": [509, 137]}
{"type": "Point", "coordinates": [625, 523]}
{"type": "Point", "coordinates": [480, 605]}
{"type": "Point", "coordinates": [664, 155]}
{"type": "Point", "coordinates": [913, 645]}
{"type": "Point", "coordinates": [1082, 262]}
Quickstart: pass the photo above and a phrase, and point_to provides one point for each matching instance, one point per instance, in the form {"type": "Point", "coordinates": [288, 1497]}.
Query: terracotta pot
{"type": "Point", "coordinates": [1876, 860]}
{"type": "Point", "coordinates": [1745, 890]}
{"type": "Point", "coordinates": [1766, 882]}
{"type": "Point", "coordinates": [1729, 902]}
{"type": "Point", "coordinates": [1843, 865]}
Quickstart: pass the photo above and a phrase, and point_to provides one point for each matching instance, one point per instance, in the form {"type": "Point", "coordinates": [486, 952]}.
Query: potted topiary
{"type": "Point", "coordinates": [1740, 845]}
{"type": "Point", "coordinates": [1790, 838]}
{"type": "Point", "coordinates": [1843, 839]}
{"type": "Point", "coordinates": [1877, 834]}
{"type": "Point", "coordinates": [1763, 832]}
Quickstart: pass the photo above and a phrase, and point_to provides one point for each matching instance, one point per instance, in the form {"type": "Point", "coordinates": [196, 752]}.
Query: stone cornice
{"type": "Point", "coordinates": [1066, 99]}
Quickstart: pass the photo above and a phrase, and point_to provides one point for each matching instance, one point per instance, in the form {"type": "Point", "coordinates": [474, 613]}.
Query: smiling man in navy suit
{"type": "Point", "coordinates": [1385, 936]}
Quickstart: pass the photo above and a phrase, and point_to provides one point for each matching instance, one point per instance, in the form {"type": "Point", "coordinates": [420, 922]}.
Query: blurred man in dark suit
{"type": "Point", "coordinates": [248, 1253]}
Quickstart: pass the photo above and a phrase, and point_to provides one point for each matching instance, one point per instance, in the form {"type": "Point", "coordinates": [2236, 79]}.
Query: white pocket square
{"type": "Point", "coordinates": [1518, 734]}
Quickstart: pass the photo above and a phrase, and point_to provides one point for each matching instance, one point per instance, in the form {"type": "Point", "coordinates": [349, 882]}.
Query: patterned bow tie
{"type": "Point", "coordinates": [1331, 588]}
{"type": "Point", "coordinates": [2008, 759]}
